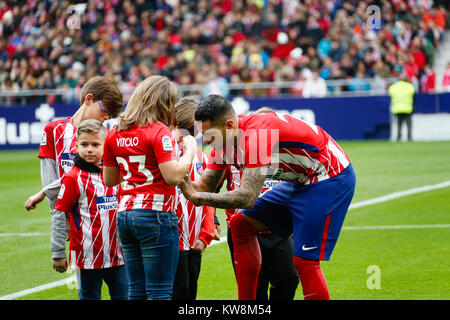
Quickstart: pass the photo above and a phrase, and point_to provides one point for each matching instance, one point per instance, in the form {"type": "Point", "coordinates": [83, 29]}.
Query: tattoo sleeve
{"type": "Point", "coordinates": [209, 181]}
{"type": "Point", "coordinates": [242, 198]}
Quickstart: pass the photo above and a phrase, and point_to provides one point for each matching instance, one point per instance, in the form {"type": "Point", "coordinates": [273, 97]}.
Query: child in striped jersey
{"type": "Point", "coordinates": [95, 250]}
{"type": "Point", "coordinates": [100, 99]}
{"type": "Point", "coordinates": [195, 224]}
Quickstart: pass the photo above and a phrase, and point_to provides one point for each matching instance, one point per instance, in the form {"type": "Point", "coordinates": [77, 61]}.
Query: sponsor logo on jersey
{"type": "Point", "coordinates": [106, 203]}
{"type": "Point", "coordinates": [167, 143]}
{"type": "Point", "coordinates": [44, 139]}
{"type": "Point", "coordinates": [269, 184]}
{"type": "Point", "coordinates": [67, 161]}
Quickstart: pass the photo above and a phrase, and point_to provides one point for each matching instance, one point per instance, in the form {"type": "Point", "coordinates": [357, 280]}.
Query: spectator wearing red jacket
{"type": "Point", "coordinates": [428, 79]}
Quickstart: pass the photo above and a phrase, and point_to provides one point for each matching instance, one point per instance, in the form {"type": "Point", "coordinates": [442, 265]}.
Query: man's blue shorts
{"type": "Point", "coordinates": [314, 213]}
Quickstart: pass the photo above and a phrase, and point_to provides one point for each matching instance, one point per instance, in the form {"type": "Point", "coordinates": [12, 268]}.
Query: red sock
{"type": "Point", "coordinates": [247, 256]}
{"type": "Point", "coordinates": [313, 281]}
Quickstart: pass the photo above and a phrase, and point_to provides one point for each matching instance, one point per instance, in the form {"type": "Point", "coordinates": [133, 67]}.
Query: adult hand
{"type": "Point", "coordinates": [188, 190]}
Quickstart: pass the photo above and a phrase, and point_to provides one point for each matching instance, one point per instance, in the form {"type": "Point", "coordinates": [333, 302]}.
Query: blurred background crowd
{"type": "Point", "coordinates": [61, 44]}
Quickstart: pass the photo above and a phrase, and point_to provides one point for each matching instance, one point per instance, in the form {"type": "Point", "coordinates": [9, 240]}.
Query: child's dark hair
{"type": "Point", "coordinates": [214, 108]}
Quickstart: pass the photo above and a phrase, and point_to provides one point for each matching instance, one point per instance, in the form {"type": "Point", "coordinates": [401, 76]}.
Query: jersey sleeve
{"type": "Point", "coordinates": [258, 147]}
{"type": "Point", "coordinates": [207, 231]}
{"type": "Point", "coordinates": [164, 145]}
{"type": "Point", "coordinates": [109, 159]}
{"type": "Point", "coordinates": [68, 194]}
{"type": "Point", "coordinates": [47, 144]}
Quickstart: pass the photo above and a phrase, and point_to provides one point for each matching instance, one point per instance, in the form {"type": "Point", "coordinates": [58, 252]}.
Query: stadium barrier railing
{"type": "Point", "coordinates": [342, 87]}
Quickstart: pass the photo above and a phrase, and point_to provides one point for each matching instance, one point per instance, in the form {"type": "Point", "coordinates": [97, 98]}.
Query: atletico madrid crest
{"type": "Point", "coordinates": [199, 167]}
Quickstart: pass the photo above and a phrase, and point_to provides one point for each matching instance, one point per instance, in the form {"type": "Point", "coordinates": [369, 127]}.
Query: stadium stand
{"type": "Point", "coordinates": [61, 44]}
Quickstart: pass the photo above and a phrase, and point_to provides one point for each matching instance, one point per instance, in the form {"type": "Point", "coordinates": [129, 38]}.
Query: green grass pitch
{"type": "Point", "coordinates": [409, 263]}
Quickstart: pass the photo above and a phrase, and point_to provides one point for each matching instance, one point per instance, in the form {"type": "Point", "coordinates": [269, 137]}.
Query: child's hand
{"type": "Point", "coordinates": [32, 201]}
{"type": "Point", "coordinates": [218, 231]}
{"type": "Point", "coordinates": [199, 246]}
{"type": "Point", "coordinates": [60, 264]}
{"type": "Point", "coordinates": [189, 142]}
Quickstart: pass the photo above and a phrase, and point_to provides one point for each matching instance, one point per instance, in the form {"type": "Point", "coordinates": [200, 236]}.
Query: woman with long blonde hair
{"type": "Point", "coordinates": [140, 154]}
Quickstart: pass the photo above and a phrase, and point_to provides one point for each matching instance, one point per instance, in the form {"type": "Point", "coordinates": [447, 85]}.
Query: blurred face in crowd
{"type": "Point", "coordinates": [315, 75]}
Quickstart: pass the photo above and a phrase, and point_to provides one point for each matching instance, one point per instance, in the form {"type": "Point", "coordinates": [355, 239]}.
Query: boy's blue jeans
{"type": "Point", "coordinates": [91, 280]}
{"type": "Point", "coordinates": [150, 245]}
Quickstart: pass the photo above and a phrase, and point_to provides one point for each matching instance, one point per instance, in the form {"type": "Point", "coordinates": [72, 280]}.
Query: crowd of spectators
{"type": "Point", "coordinates": [61, 44]}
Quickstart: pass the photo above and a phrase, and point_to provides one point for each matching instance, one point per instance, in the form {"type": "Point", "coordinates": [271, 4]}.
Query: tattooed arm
{"type": "Point", "coordinates": [243, 198]}
{"type": "Point", "coordinates": [209, 181]}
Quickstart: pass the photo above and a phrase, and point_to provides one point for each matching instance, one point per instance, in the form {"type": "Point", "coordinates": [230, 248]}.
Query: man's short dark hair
{"type": "Point", "coordinates": [214, 108]}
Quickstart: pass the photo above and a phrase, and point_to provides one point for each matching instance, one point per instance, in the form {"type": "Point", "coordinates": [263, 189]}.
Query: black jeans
{"type": "Point", "coordinates": [277, 267]}
{"type": "Point", "coordinates": [186, 278]}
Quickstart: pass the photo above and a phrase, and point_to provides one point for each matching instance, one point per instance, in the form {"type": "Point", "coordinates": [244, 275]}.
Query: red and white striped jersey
{"type": "Point", "coordinates": [58, 143]}
{"type": "Point", "coordinates": [195, 223]}
{"type": "Point", "coordinates": [92, 206]}
{"type": "Point", "coordinates": [138, 152]}
{"type": "Point", "coordinates": [295, 150]}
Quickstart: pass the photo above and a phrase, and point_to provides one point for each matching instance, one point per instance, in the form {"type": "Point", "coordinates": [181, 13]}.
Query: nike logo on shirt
{"type": "Point", "coordinates": [307, 248]}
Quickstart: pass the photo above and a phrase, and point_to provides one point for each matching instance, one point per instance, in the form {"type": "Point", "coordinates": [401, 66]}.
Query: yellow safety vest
{"type": "Point", "coordinates": [402, 97]}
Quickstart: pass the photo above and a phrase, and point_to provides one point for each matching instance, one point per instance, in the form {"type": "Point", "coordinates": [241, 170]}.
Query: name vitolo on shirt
{"type": "Point", "coordinates": [127, 142]}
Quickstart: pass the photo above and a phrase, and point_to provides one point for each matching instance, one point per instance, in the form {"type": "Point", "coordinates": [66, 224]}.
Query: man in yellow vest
{"type": "Point", "coordinates": [402, 99]}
